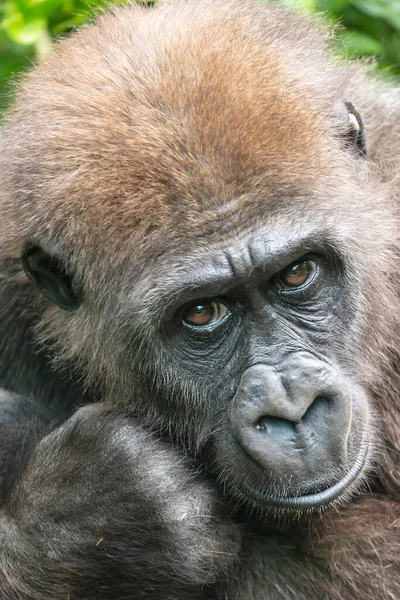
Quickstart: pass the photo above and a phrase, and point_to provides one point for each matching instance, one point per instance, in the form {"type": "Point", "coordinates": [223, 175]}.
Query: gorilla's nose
{"type": "Point", "coordinates": [295, 416]}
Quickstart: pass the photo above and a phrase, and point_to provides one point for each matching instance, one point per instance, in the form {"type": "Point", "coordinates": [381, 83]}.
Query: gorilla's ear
{"type": "Point", "coordinates": [47, 271]}
{"type": "Point", "coordinates": [354, 132]}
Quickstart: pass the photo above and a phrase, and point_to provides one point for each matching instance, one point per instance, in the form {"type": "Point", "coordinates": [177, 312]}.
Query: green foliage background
{"type": "Point", "coordinates": [372, 28]}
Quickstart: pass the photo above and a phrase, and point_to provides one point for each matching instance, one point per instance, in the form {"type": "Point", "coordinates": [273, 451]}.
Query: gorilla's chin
{"type": "Point", "coordinates": [317, 498]}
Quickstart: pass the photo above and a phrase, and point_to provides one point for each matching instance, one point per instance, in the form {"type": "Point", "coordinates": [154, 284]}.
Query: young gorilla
{"type": "Point", "coordinates": [193, 232]}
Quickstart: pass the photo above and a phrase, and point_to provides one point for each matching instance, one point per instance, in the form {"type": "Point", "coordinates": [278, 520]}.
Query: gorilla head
{"type": "Point", "coordinates": [207, 245]}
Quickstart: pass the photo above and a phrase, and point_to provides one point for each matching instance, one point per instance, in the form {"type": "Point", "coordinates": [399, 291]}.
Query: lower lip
{"type": "Point", "coordinates": [318, 499]}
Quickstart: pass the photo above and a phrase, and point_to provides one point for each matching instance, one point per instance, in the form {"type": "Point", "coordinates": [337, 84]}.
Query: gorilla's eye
{"type": "Point", "coordinates": [298, 274]}
{"type": "Point", "coordinates": [205, 313]}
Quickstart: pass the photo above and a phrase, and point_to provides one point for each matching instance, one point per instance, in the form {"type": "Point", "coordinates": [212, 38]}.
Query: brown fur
{"type": "Point", "coordinates": [155, 134]}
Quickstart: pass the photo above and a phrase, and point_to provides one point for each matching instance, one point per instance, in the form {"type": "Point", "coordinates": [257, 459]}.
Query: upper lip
{"type": "Point", "coordinates": [320, 498]}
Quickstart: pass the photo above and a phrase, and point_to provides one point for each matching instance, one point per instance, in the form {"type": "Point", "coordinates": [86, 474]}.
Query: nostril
{"type": "Point", "coordinates": [278, 428]}
{"type": "Point", "coordinates": [317, 410]}
{"type": "Point", "coordinates": [261, 425]}
{"type": "Point", "coordinates": [286, 428]}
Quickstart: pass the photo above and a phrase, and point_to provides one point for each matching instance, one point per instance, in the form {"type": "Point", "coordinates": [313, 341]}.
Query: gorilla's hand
{"type": "Point", "coordinates": [106, 510]}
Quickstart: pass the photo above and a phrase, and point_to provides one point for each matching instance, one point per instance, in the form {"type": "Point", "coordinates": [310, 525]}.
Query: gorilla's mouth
{"type": "Point", "coordinates": [320, 498]}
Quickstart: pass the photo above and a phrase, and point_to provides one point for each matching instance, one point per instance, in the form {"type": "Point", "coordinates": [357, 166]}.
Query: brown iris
{"type": "Point", "coordinates": [206, 313]}
{"type": "Point", "coordinates": [298, 274]}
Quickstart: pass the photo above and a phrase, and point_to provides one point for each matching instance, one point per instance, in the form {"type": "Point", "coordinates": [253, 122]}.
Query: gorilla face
{"type": "Point", "coordinates": [263, 334]}
{"type": "Point", "coordinates": [246, 350]}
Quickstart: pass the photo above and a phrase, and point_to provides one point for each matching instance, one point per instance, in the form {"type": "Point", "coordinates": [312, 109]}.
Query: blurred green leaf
{"type": "Point", "coordinates": [380, 9]}
{"type": "Point", "coordinates": [26, 33]}
{"type": "Point", "coordinates": [371, 28]}
{"type": "Point", "coordinates": [356, 43]}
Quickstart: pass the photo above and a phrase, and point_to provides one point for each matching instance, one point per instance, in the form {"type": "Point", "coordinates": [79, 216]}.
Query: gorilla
{"type": "Point", "coordinates": [200, 336]}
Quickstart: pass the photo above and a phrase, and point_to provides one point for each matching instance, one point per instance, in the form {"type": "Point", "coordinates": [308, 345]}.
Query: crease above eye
{"type": "Point", "coordinates": [208, 313]}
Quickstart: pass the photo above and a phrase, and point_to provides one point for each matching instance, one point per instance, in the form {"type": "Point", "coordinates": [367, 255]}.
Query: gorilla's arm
{"type": "Point", "coordinates": [104, 509]}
